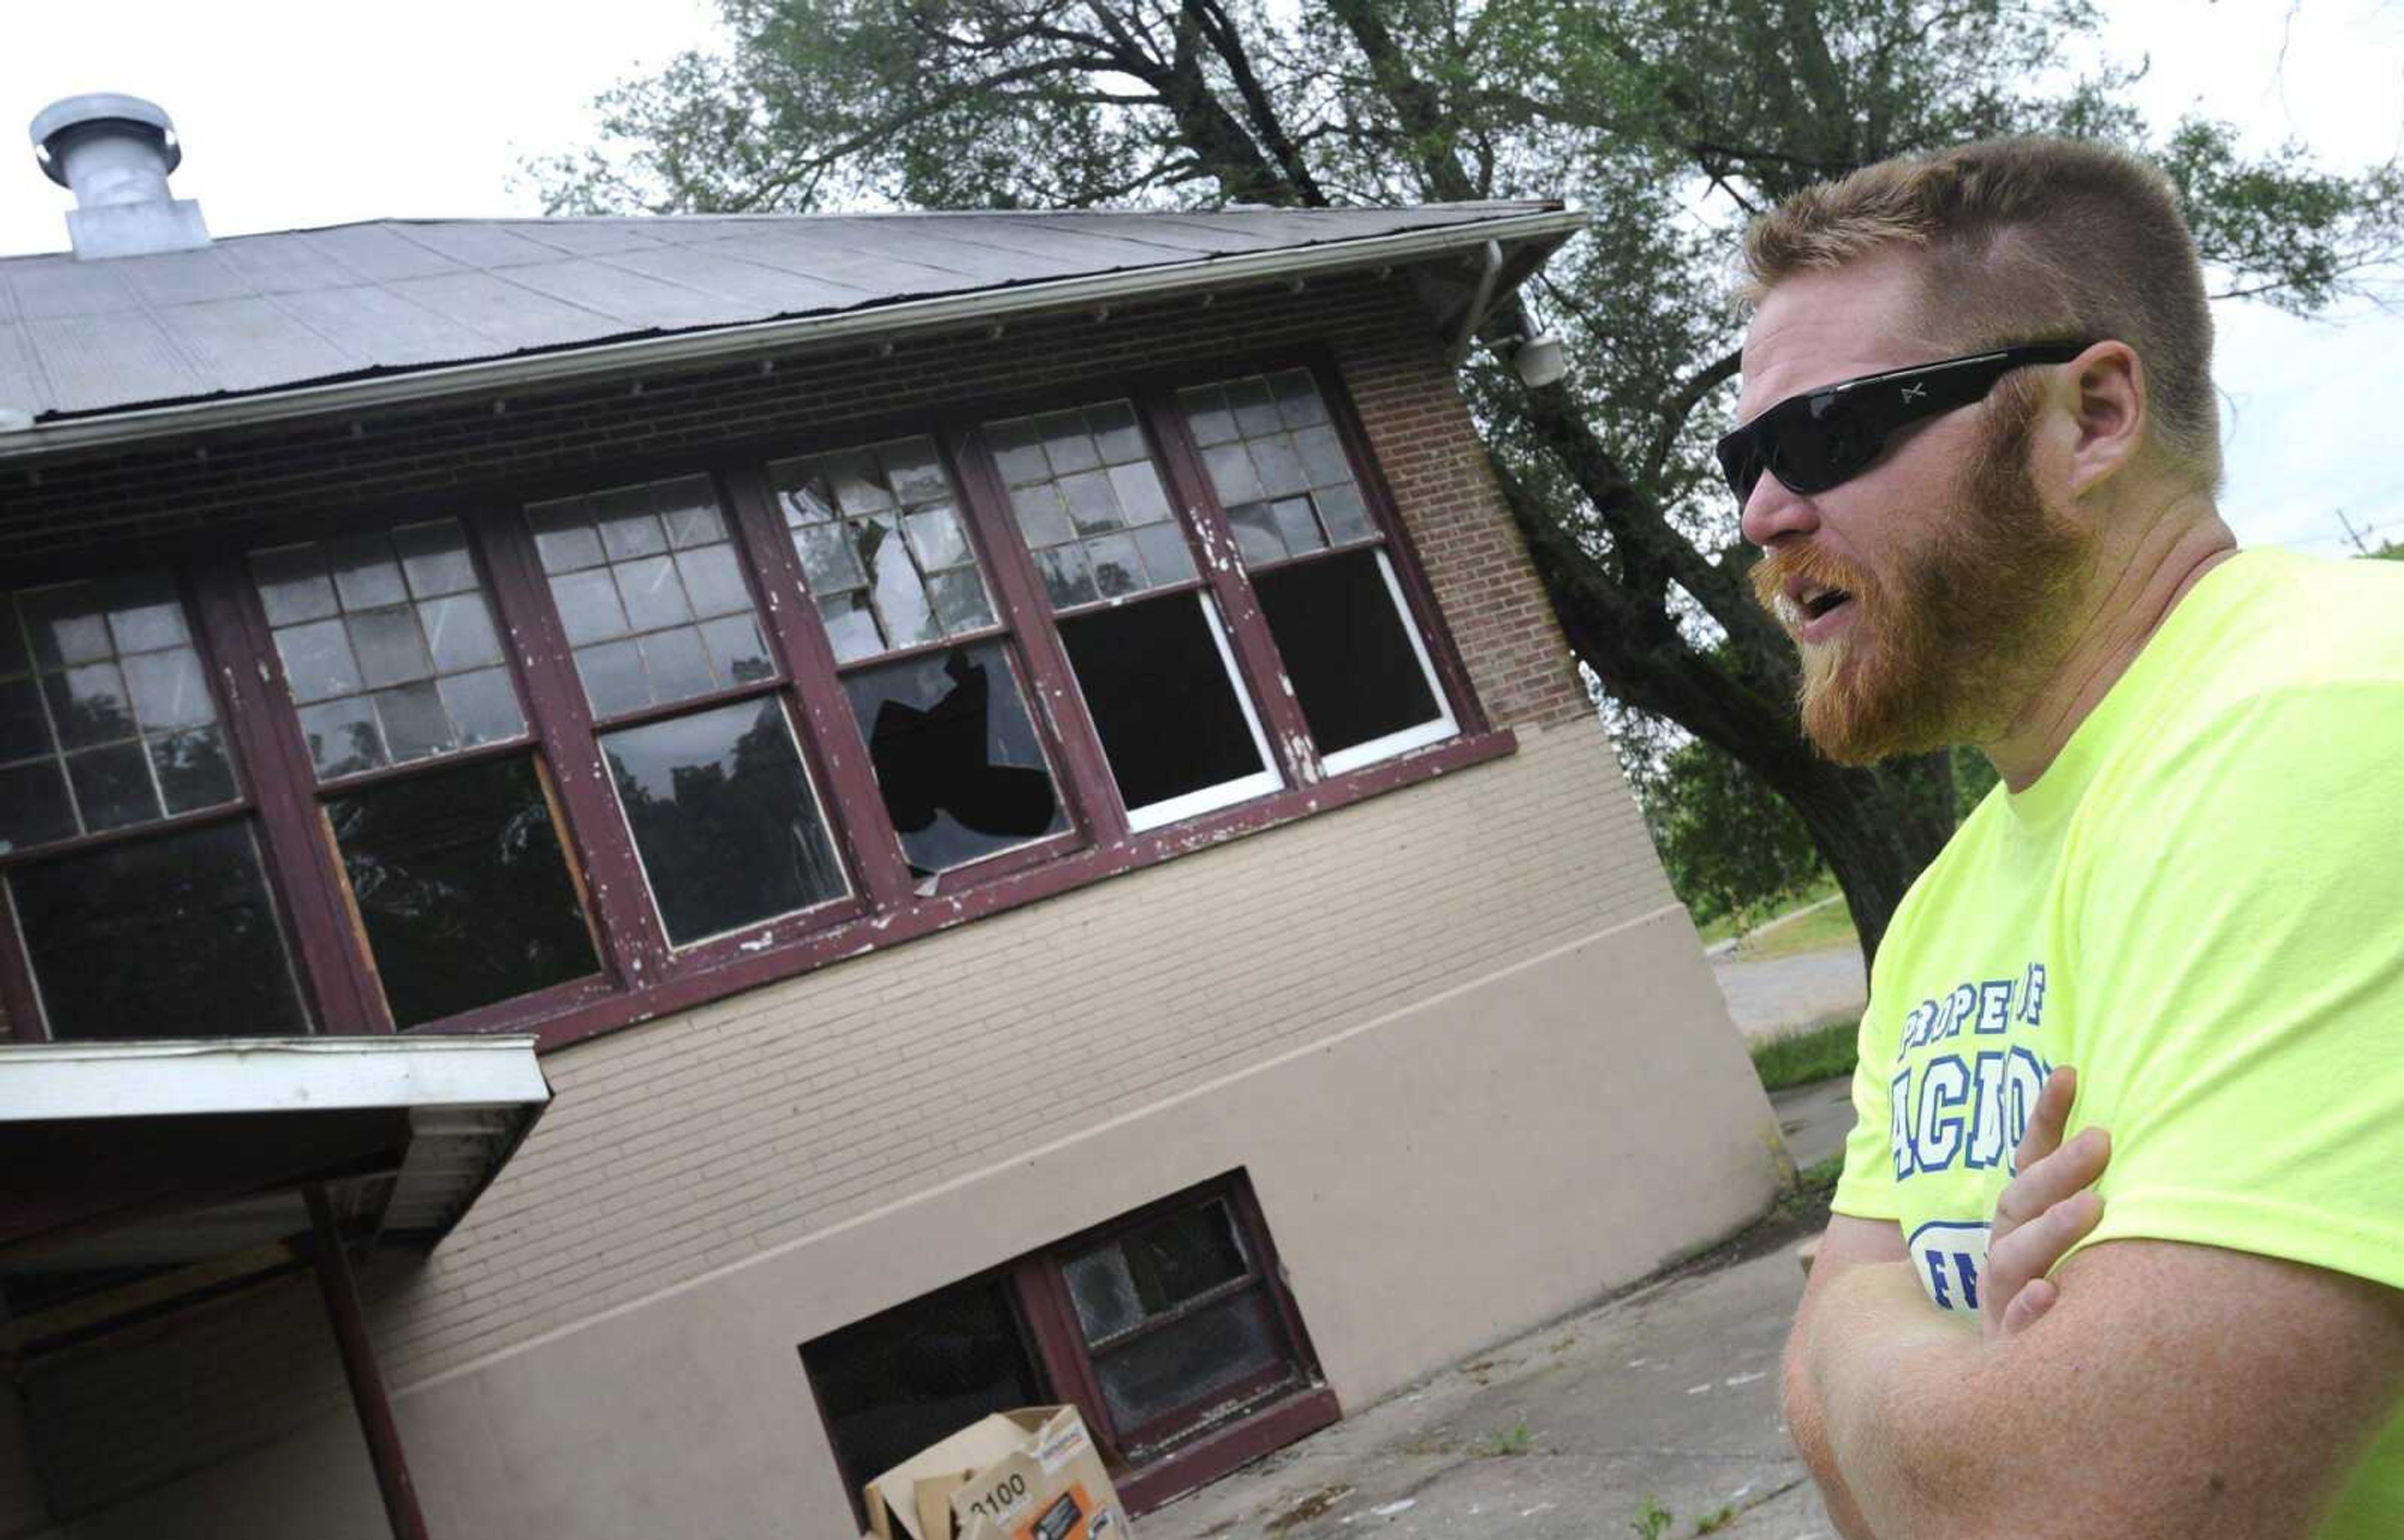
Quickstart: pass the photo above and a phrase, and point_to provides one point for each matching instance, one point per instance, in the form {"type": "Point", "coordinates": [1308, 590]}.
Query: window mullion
{"type": "Point", "coordinates": [1256, 653]}
{"type": "Point", "coordinates": [834, 746]}
{"type": "Point", "coordinates": [276, 770]}
{"type": "Point", "coordinates": [1029, 614]}
{"type": "Point", "coordinates": [633, 944]}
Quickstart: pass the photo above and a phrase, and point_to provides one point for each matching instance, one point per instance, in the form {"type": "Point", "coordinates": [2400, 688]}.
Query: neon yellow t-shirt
{"type": "Point", "coordinates": [2200, 907]}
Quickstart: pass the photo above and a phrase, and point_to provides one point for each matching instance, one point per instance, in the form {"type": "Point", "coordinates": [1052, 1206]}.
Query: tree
{"type": "Point", "coordinates": [1672, 121]}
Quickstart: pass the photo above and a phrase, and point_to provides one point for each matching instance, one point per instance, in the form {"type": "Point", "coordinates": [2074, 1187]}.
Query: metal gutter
{"type": "Point", "coordinates": [750, 339]}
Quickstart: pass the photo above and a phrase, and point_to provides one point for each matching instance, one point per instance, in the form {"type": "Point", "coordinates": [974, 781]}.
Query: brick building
{"type": "Point", "coordinates": [1013, 767]}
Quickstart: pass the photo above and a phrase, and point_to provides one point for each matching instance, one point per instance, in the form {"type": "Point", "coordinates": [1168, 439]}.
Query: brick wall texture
{"type": "Point", "coordinates": [688, 1144]}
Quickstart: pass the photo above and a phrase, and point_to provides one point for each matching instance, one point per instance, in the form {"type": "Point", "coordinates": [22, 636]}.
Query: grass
{"type": "Point", "coordinates": [1807, 1198]}
{"type": "Point", "coordinates": [1516, 1441]}
{"type": "Point", "coordinates": [1807, 1056]}
{"type": "Point", "coordinates": [1711, 1523]}
{"type": "Point", "coordinates": [1741, 920]}
{"type": "Point", "coordinates": [1651, 1520]}
{"type": "Point", "coordinates": [1829, 926]}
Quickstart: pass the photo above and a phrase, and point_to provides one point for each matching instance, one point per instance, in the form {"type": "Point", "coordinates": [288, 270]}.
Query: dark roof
{"type": "Point", "coordinates": [254, 313]}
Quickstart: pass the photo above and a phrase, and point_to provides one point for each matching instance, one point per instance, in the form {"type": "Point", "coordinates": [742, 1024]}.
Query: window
{"type": "Point", "coordinates": [1326, 585]}
{"type": "Point", "coordinates": [454, 868]}
{"type": "Point", "coordinates": [1165, 1327]}
{"type": "Point", "coordinates": [564, 759]}
{"type": "Point", "coordinates": [1145, 640]}
{"type": "Point", "coordinates": [142, 907]}
{"type": "Point", "coordinates": [726, 823]}
{"type": "Point", "coordinates": [886, 554]}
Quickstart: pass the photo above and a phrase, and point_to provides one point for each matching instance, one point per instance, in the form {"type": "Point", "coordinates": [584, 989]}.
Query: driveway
{"type": "Point", "coordinates": [1766, 998]}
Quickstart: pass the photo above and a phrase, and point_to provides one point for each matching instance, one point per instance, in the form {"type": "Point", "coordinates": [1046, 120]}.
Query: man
{"type": "Point", "coordinates": [1980, 454]}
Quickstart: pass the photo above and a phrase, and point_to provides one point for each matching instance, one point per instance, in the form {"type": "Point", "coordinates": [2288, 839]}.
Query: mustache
{"type": "Point", "coordinates": [1812, 564]}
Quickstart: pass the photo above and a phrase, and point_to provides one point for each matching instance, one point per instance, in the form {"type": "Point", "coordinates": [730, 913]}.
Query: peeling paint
{"type": "Point", "coordinates": [757, 944]}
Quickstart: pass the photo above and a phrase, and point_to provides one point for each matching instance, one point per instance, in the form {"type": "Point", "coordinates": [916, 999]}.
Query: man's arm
{"type": "Point", "coordinates": [2170, 1390]}
{"type": "Point", "coordinates": [1848, 1242]}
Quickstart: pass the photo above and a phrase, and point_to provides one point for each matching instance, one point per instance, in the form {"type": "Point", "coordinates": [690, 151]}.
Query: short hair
{"type": "Point", "coordinates": [2027, 239]}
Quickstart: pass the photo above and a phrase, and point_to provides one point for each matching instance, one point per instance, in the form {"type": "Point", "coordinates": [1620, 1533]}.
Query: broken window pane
{"type": "Point", "coordinates": [646, 579]}
{"type": "Point", "coordinates": [1162, 699]}
{"type": "Point", "coordinates": [462, 887]}
{"type": "Point", "coordinates": [1281, 472]}
{"type": "Point", "coordinates": [724, 819]}
{"type": "Point", "coordinates": [1190, 1363]}
{"type": "Point", "coordinates": [191, 907]}
{"type": "Point", "coordinates": [408, 616]}
{"type": "Point", "coordinates": [956, 757]}
{"type": "Point", "coordinates": [1098, 480]}
{"type": "Point", "coordinates": [877, 590]}
{"type": "Point", "coordinates": [1345, 648]}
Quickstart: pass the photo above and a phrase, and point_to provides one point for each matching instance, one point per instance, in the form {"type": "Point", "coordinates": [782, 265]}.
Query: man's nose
{"type": "Point", "coordinates": [1773, 510]}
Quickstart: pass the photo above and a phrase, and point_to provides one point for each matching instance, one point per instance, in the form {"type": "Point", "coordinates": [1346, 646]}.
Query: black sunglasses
{"type": "Point", "coordinates": [1825, 437]}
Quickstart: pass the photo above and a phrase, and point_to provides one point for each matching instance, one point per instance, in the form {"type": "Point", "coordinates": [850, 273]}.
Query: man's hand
{"type": "Point", "coordinates": [2049, 1207]}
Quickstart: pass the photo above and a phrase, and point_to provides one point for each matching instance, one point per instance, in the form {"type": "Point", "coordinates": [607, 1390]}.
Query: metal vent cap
{"type": "Point", "coordinates": [94, 108]}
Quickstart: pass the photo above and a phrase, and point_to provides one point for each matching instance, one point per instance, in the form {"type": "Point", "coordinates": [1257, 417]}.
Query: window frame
{"type": "Point", "coordinates": [641, 976]}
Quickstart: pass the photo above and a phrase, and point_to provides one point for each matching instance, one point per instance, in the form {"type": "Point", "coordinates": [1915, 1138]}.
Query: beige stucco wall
{"type": "Point", "coordinates": [1459, 1036]}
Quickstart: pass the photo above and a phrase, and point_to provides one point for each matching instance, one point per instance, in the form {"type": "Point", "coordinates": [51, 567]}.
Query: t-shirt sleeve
{"type": "Point", "coordinates": [2241, 1030]}
{"type": "Point", "coordinates": [1866, 1187]}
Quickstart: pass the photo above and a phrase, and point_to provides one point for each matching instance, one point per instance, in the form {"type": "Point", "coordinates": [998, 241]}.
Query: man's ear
{"type": "Point", "coordinates": [2104, 391]}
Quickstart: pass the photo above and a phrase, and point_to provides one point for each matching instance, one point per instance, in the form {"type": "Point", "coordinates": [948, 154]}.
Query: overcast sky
{"type": "Point", "coordinates": [314, 112]}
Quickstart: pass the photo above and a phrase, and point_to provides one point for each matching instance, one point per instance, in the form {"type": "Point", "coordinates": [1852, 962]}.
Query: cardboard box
{"type": "Point", "coordinates": [1033, 1473]}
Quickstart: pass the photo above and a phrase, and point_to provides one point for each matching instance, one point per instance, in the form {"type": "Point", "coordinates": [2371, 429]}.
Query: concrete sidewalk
{"type": "Point", "coordinates": [1668, 1395]}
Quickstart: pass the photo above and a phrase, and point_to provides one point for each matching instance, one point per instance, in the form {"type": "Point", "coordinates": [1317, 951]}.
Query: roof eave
{"type": "Point", "coordinates": [1546, 229]}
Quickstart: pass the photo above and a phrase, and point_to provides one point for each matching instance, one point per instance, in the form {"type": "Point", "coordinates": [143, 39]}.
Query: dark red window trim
{"type": "Point", "coordinates": [641, 976]}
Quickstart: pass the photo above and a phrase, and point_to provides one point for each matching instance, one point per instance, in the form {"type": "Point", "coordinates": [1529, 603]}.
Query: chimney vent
{"type": "Point", "coordinates": [114, 152]}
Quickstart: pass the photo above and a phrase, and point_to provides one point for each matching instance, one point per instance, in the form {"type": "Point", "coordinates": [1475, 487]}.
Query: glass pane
{"type": "Point", "coordinates": [434, 559]}
{"type": "Point", "coordinates": [613, 678]}
{"type": "Point", "coordinates": [1186, 1254]}
{"type": "Point", "coordinates": [807, 499]}
{"type": "Point", "coordinates": [1114, 430]}
{"type": "Point", "coordinates": [900, 597]}
{"type": "Point", "coordinates": [1139, 492]}
{"type": "Point", "coordinates": [168, 690]}
{"type": "Point", "coordinates": [90, 705]}
{"type": "Point", "coordinates": [1354, 671]}
{"type": "Point", "coordinates": [956, 754]}
{"type": "Point", "coordinates": [483, 707]}
{"type": "Point", "coordinates": [144, 612]}
{"type": "Point", "coordinates": [562, 536]}
{"type": "Point", "coordinates": [1207, 415]}
{"type": "Point", "coordinates": [588, 606]}
{"type": "Point", "coordinates": [462, 887]}
{"type": "Point", "coordinates": [365, 574]}
{"type": "Point", "coordinates": [112, 786]}
{"type": "Point", "coordinates": [1297, 398]}
{"type": "Point", "coordinates": [1187, 1365]}
{"type": "Point", "coordinates": [1231, 475]}
{"type": "Point", "coordinates": [653, 594]}
{"type": "Point", "coordinates": [850, 626]}
{"type": "Point", "coordinates": [459, 629]}
{"type": "Point", "coordinates": [389, 649]}
{"type": "Point", "coordinates": [713, 582]}
{"type": "Point", "coordinates": [724, 819]}
{"type": "Point", "coordinates": [678, 668]}
{"type": "Point", "coordinates": [935, 533]}
{"type": "Point", "coordinates": [173, 937]}
{"type": "Point", "coordinates": [691, 513]}
{"type": "Point", "coordinates": [1322, 458]}
{"type": "Point", "coordinates": [960, 601]}
{"type": "Point", "coordinates": [1066, 443]}
{"type": "Point", "coordinates": [1117, 569]}
{"type": "Point", "coordinates": [858, 483]}
{"type": "Point", "coordinates": [1018, 451]}
{"type": "Point", "coordinates": [627, 526]}
{"type": "Point", "coordinates": [193, 771]}
{"type": "Point", "coordinates": [1255, 412]}
{"type": "Point", "coordinates": [24, 726]}
{"type": "Point", "coordinates": [67, 626]}
{"type": "Point", "coordinates": [1043, 517]}
{"type": "Point", "coordinates": [34, 807]}
{"type": "Point", "coordinates": [1257, 537]}
{"type": "Point", "coordinates": [827, 558]}
{"type": "Point", "coordinates": [1092, 505]}
{"type": "Point", "coordinates": [1157, 687]}
{"type": "Point", "coordinates": [318, 661]}
{"type": "Point", "coordinates": [1278, 465]}
{"type": "Point", "coordinates": [292, 585]}
{"type": "Point", "coordinates": [414, 722]}
{"type": "Point", "coordinates": [1345, 513]}
{"type": "Point", "coordinates": [1067, 578]}
{"type": "Point", "coordinates": [1103, 1292]}
{"type": "Point", "coordinates": [1165, 555]}
{"type": "Point", "coordinates": [914, 472]}
{"type": "Point", "coordinates": [1295, 525]}
{"type": "Point", "coordinates": [737, 653]}
{"type": "Point", "coordinates": [343, 738]}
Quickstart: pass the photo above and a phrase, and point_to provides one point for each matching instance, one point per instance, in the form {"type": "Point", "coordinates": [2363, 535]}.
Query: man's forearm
{"type": "Point", "coordinates": [1851, 1352]}
{"type": "Point", "coordinates": [1807, 1426]}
